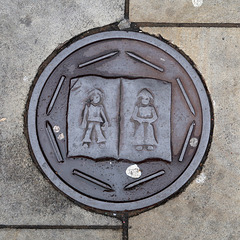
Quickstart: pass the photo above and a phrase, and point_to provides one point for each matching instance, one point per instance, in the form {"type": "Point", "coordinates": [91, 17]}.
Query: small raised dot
{"type": "Point", "coordinates": [193, 142]}
{"type": "Point", "coordinates": [56, 129]}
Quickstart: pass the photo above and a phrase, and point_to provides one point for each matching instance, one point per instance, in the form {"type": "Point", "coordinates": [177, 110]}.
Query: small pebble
{"type": "Point", "coordinates": [61, 136]}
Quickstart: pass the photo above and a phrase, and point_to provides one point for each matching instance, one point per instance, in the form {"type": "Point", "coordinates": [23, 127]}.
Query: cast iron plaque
{"type": "Point", "coordinates": [119, 121]}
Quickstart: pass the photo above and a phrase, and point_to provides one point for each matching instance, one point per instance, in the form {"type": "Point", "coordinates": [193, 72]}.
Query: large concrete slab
{"type": "Point", "coordinates": [30, 31]}
{"type": "Point", "coordinates": [185, 11]}
{"type": "Point", "coordinates": [60, 234]}
{"type": "Point", "coordinates": [209, 207]}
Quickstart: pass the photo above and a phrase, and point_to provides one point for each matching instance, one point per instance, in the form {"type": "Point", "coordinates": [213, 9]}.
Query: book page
{"type": "Point", "coordinates": [93, 113]}
{"type": "Point", "coordinates": [145, 120]}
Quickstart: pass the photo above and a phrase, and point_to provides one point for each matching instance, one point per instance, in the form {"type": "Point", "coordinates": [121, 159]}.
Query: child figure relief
{"type": "Point", "coordinates": [144, 115]}
{"type": "Point", "coordinates": [94, 119]}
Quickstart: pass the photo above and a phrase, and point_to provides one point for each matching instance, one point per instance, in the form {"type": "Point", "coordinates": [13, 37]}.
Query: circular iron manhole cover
{"type": "Point", "coordinates": [119, 121]}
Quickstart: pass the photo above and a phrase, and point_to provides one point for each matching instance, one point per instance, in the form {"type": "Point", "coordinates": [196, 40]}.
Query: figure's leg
{"type": "Point", "coordinates": [139, 148]}
{"type": "Point", "coordinates": [150, 138]}
{"type": "Point", "coordinates": [150, 147]}
{"type": "Point", "coordinates": [87, 137]}
{"type": "Point", "coordinates": [100, 137]}
{"type": "Point", "coordinates": [139, 137]}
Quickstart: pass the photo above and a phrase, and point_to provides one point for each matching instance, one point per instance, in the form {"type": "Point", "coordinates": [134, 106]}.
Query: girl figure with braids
{"type": "Point", "coordinates": [144, 115]}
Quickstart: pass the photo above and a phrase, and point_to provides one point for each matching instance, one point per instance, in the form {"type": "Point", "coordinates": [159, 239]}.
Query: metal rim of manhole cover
{"type": "Point", "coordinates": [119, 121]}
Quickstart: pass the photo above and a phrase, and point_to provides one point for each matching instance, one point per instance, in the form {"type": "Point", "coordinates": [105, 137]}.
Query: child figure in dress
{"type": "Point", "coordinates": [94, 118]}
{"type": "Point", "coordinates": [144, 115]}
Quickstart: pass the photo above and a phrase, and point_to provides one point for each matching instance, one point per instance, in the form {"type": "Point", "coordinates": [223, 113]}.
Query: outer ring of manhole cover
{"type": "Point", "coordinates": [129, 173]}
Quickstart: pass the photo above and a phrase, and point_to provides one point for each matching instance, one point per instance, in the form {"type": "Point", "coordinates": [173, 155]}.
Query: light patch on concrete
{"type": "Point", "coordinates": [134, 171]}
{"type": "Point", "coordinates": [197, 3]}
{"type": "Point", "coordinates": [201, 178]}
{"type": "Point", "coordinates": [61, 136]}
{"type": "Point", "coordinates": [25, 79]}
{"type": "Point", "coordinates": [3, 119]}
{"type": "Point", "coordinates": [56, 129]}
{"type": "Point", "coordinates": [218, 196]}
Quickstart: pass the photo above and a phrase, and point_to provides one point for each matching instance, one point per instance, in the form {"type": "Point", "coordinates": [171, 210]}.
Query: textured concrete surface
{"type": "Point", "coordinates": [30, 31]}
{"type": "Point", "coordinates": [60, 234]}
{"type": "Point", "coordinates": [209, 207]}
{"type": "Point", "coordinates": [187, 11]}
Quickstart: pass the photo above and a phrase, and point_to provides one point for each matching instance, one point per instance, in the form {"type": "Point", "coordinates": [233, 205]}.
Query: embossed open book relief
{"type": "Point", "coordinates": [119, 118]}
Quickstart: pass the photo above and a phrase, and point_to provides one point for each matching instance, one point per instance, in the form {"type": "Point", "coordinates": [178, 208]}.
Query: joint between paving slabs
{"type": "Point", "coordinates": [76, 227]}
{"type": "Point", "coordinates": [194, 25]}
{"type": "Point", "coordinates": [126, 9]}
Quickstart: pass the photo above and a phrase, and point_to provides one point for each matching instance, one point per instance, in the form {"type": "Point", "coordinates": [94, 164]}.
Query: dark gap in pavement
{"type": "Point", "coordinates": [126, 9]}
{"type": "Point", "coordinates": [212, 25]}
{"type": "Point", "coordinates": [77, 227]}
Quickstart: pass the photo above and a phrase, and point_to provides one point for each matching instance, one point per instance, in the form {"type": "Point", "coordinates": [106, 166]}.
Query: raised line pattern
{"type": "Point", "coordinates": [140, 59]}
{"type": "Point", "coordinates": [92, 179]}
{"type": "Point", "coordinates": [185, 96]}
{"type": "Point", "coordinates": [145, 179]}
{"type": "Point", "coordinates": [111, 54]}
{"type": "Point", "coordinates": [190, 130]}
{"type": "Point", "coordinates": [53, 142]}
{"type": "Point", "coordinates": [54, 98]}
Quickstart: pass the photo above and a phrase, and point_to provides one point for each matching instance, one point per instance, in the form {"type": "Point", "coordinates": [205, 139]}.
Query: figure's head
{"type": "Point", "coordinates": [145, 97]}
{"type": "Point", "coordinates": [95, 96]}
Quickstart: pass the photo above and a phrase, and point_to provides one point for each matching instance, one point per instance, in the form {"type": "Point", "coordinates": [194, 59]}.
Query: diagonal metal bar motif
{"type": "Point", "coordinates": [111, 54]}
{"type": "Point", "coordinates": [53, 142]}
{"type": "Point", "coordinates": [144, 180]}
{"type": "Point", "coordinates": [140, 59]}
{"type": "Point", "coordinates": [54, 98]}
{"type": "Point", "coordinates": [190, 130]}
{"type": "Point", "coordinates": [92, 179]}
{"type": "Point", "coordinates": [185, 96]}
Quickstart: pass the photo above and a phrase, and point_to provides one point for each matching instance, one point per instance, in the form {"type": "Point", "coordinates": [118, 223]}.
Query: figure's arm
{"type": "Point", "coordinates": [154, 118]}
{"type": "Point", "coordinates": [134, 115]}
{"type": "Point", "coordinates": [103, 114]}
{"type": "Point", "coordinates": [84, 119]}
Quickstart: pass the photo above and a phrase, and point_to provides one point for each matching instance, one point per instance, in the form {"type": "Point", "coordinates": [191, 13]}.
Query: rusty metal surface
{"type": "Point", "coordinates": [119, 121]}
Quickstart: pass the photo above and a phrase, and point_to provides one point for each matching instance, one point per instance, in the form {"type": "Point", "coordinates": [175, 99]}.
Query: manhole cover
{"type": "Point", "coordinates": [119, 121]}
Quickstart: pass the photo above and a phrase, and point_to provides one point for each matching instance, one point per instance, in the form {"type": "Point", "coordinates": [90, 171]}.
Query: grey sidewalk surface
{"type": "Point", "coordinates": [185, 11]}
{"type": "Point", "coordinates": [30, 30]}
{"type": "Point", "coordinates": [209, 208]}
{"type": "Point", "coordinates": [60, 234]}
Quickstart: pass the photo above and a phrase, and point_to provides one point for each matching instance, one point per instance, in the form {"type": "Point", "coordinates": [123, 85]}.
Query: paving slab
{"type": "Point", "coordinates": [209, 207]}
{"type": "Point", "coordinates": [30, 31]}
{"type": "Point", "coordinates": [185, 11]}
{"type": "Point", "coordinates": [60, 234]}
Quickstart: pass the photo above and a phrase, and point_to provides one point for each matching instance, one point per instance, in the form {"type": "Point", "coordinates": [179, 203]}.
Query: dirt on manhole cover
{"type": "Point", "coordinates": [119, 121]}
